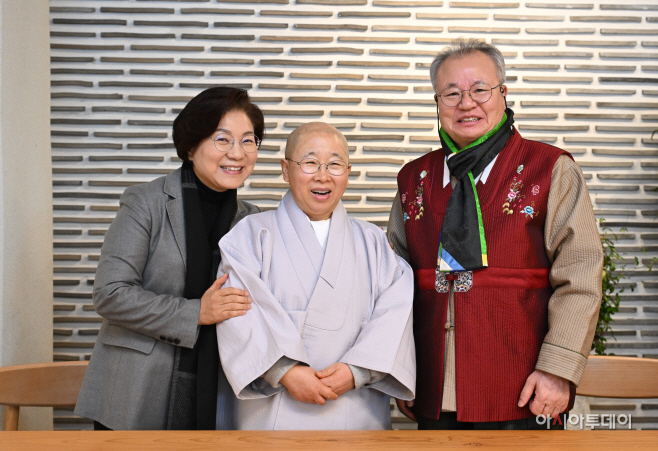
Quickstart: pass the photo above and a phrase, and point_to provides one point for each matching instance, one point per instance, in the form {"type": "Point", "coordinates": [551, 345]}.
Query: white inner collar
{"type": "Point", "coordinates": [321, 229]}
{"type": "Point", "coordinates": [480, 178]}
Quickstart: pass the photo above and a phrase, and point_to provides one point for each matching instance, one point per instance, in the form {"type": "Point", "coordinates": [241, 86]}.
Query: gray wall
{"type": "Point", "coordinates": [582, 76]}
{"type": "Point", "coordinates": [25, 193]}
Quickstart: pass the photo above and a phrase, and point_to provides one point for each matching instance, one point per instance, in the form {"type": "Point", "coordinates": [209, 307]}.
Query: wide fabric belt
{"type": "Point", "coordinates": [527, 278]}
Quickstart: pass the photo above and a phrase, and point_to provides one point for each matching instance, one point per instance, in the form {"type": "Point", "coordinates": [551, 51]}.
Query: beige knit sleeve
{"type": "Point", "coordinates": [395, 229]}
{"type": "Point", "coordinates": [574, 249]}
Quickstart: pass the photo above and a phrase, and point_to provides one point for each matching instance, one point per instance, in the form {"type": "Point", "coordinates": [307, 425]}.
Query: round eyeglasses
{"type": "Point", "coordinates": [311, 166]}
{"type": "Point", "coordinates": [479, 92]}
{"type": "Point", "coordinates": [224, 142]}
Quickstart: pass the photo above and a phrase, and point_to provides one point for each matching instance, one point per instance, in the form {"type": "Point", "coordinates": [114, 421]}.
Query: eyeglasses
{"type": "Point", "coordinates": [311, 166]}
{"type": "Point", "coordinates": [479, 92]}
{"type": "Point", "coordinates": [225, 141]}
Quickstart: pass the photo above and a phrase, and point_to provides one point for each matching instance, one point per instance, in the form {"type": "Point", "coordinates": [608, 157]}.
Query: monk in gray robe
{"type": "Point", "coordinates": [329, 337]}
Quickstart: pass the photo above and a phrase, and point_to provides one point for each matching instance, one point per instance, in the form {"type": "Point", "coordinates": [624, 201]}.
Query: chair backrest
{"type": "Point", "coordinates": [619, 377]}
{"type": "Point", "coordinates": [41, 384]}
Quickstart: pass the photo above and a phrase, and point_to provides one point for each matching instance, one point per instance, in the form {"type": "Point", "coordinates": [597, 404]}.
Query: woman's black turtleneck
{"type": "Point", "coordinates": [193, 404]}
{"type": "Point", "coordinates": [211, 203]}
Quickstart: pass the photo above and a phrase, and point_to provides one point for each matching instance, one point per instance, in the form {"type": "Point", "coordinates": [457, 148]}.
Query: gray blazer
{"type": "Point", "coordinates": [138, 291]}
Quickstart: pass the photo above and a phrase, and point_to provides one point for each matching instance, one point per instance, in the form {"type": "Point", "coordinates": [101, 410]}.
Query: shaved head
{"type": "Point", "coordinates": [313, 128]}
{"type": "Point", "coordinates": [314, 153]}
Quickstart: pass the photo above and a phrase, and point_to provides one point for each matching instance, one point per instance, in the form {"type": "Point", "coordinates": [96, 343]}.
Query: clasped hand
{"type": "Point", "coordinates": [314, 387]}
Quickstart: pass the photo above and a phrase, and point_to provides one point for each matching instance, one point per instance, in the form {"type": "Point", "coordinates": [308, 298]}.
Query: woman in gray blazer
{"type": "Point", "coordinates": [155, 364]}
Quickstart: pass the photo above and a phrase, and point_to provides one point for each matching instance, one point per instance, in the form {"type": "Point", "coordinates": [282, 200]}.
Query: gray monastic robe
{"type": "Point", "coordinates": [350, 304]}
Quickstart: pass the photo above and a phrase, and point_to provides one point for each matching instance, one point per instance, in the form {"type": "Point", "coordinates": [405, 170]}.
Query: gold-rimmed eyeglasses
{"type": "Point", "coordinates": [311, 166]}
{"type": "Point", "coordinates": [479, 92]}
{"type": "Point", "coordinates": [225, 141]}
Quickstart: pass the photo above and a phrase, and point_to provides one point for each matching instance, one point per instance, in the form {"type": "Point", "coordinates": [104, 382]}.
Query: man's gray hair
{"type": "Point", "coordinates": [461, 47]}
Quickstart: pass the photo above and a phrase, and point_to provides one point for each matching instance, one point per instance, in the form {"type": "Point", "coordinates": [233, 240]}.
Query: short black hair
{"type": "Point", "coordinates": [200, 117]}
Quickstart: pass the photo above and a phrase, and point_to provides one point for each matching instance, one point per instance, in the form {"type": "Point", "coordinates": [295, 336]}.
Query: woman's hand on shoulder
{"type": "Point", "coordinates": [219, 304]}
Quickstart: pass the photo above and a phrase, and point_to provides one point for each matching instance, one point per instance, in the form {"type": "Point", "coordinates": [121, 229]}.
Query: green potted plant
{"type": "Point", "coordinates": [610, 281]}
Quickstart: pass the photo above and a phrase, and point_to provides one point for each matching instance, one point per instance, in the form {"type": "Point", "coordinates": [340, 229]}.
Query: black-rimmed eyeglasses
{"type": "Point", "coordinates": [225, 141]}
{"type": "Point", "coordinates": [479, 92]}
{"type": "Point", "coordinates": [311, 166]}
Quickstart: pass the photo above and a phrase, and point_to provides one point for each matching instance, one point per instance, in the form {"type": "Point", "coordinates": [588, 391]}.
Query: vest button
{"type": "Point", "coordinates": [448, 326]}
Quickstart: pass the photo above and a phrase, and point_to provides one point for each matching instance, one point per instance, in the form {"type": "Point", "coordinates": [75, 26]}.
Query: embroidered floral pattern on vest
{"type": "Point", "coordinates": [535, 190]}
{"type": "Point", "coordinates": [514, 196]}
{"type": "Point", "coordinates": [415, 207]}
{"type": "Point", "coordinates": [403, 199]}
{"type": "Point", "coordinates": [530, 210]}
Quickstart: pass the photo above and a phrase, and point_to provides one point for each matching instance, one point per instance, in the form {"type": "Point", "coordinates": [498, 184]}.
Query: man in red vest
{"type": "Point", "coordinates": [505, 249]}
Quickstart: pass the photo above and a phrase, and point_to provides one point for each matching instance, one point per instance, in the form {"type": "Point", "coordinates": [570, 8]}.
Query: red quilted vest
{"type": "Point", "coordinates": [501, 322]}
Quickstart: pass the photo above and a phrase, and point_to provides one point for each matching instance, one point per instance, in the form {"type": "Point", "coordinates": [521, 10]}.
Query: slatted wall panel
{"type": "Point", "coordinates": [582, 76]}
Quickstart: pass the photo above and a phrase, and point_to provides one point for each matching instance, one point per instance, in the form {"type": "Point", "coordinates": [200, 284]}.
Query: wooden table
{"type": "Point", "coordinates": [344, 440]}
